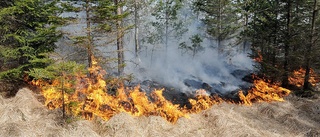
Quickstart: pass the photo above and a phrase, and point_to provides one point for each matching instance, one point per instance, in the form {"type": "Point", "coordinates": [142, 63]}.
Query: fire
{"type": "Point", "coordinates": [297, 77]}
{"type": "Point", "coordinates": [87, 97]}
{"type": "Point", "coordinates": [263, 92]}
{"type": "Point", "coordinates": [259, 58]}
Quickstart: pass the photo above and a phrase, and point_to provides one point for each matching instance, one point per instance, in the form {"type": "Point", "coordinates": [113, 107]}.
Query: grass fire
{"type": "Point", "coordinates": [87, 97]}
{"type": "Point", "coordinates": [178, 68]}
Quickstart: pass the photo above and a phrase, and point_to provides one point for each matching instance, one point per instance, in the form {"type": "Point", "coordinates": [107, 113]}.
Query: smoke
{"type": "Point", "coordinates": [179, 69]}
{"type": "Point", "coordinates": [206, 67]}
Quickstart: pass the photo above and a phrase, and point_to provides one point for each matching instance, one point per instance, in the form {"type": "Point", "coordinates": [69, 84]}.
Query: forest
{"type": "Point", "coordinates": [102, 57]}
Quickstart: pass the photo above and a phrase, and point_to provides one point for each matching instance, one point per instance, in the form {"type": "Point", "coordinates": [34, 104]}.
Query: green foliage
{"type": "Point", "coordinates": [28, 32]}
{"type": "Point", "coordinates": [104, 14]}
{"type": "Point", "coordinates": [167, 23]}
{"type": "Point", "coordinates": [56, 70]}
{"type": "Point", "coordinates": [280, 32]}
{"type": "Point", "coordinates": [220, 18]}
{"type": "Point", "coordinates": [195, 45]}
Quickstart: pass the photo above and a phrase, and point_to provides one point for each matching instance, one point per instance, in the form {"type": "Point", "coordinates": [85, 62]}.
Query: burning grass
{"type": "Point", "coordinates": [24, 115]}
{"type": "Point", "coordinates": [87, 96]}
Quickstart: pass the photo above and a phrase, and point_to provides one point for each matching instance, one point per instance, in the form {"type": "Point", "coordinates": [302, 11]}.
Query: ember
{"type": "Point", "coordinates": [259, 58]}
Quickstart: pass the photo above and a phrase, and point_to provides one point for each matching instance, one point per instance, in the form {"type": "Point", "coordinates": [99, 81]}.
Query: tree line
{"type": "Point", "coordinates": [283, 33]}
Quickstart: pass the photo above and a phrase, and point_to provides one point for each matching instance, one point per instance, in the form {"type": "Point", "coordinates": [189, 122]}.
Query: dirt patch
{"type": "Point", "coordinates": [9, 88]}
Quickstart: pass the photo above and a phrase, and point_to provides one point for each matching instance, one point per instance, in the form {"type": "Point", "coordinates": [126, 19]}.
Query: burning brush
{"type": "Point", "coordinates": [87, 97]}
{"type": "Point", "coordinates": [297, 78]}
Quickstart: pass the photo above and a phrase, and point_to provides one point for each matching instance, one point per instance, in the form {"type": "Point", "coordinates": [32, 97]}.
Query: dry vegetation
{"type": "Point", "coordinates": [25, 115]}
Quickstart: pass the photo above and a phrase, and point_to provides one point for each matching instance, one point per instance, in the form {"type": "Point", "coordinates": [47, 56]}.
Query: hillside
{"type": "Point", "coordinates": [25, 115]}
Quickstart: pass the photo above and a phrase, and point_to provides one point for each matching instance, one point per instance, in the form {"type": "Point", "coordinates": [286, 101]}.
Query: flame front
{"type": "Point", "coordinates": [263, 92]}
{"type": "Point", "coordinates": [297, 77]}
{"type": "Point", "coordinates": [87, 96]}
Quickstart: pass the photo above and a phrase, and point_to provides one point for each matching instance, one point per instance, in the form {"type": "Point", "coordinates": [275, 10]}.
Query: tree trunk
{"type": "Point", "coordinates": [89, 37]}
{"type": "Point", "coordinates": [285, 81]}
{"type": "Point", "coordinates": [275, 39]}
{"type": "Point", "coordinates": [166, 30]}
{"type": "Point", "coordinates": [246, 23]}
{"type": "Point", "coordinates": [219, 28]}
{"type": "Point", "coordinates": [119, 39]}
{"type": "Point", "coordinates": [309, 48]}
{"type": "Point", "coordinates": [63, 92]}
{"type": "Point", "coordinates": [136, 29]}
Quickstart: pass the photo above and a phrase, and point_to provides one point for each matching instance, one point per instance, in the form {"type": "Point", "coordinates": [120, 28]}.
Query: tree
{"type": "Point", "coordinates": [310, 46]}
{"type": "Point", "coordinates": [136, 28]}
{"type": "Point", "coordinates": [243, 8]}
{"type": "Point", "coordinates": [219, 19]}
{"type": "Point", "coordinates": [278, 32]}
{"type": "Point", "coordinates": [107, 14]}
{"type": "Point", "coordinates": [195, 45]}
{"type": "Point", "coordinates": [64, 73]}
{"type": "Point", "coordinates": [103, 18]}
{"type": "Point", "coordinates": [265, 33]}
{"type": "Point", "coordinates": [167, 23]}
{"type": "Point", "coordinates": [89, 37]}
{"type": "Point", "coordinates": [28, 33]}
{"type": "Point", "coordinates": [119, 36]}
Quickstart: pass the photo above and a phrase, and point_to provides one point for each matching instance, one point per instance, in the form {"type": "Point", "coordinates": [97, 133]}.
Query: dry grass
{"type": "Point", "coordinates": [24, 115]}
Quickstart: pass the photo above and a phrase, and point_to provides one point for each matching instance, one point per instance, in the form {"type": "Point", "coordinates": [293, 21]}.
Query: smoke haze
{"type": "Point", "coordinates": [178, 67]}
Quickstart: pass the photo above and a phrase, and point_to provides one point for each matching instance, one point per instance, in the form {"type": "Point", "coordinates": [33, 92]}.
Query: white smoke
{"type": "Point", "coordinates": [206, 66]}
{"type": "Point", "coordinates": [176, 66]}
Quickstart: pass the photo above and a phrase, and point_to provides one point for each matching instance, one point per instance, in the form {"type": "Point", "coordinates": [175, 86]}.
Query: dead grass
{"type": "Point", "coordinates": [24, 115]}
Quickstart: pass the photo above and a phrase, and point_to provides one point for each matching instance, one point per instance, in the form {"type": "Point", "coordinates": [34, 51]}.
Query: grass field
{"type": "Point", "coordinates": [25, 115]}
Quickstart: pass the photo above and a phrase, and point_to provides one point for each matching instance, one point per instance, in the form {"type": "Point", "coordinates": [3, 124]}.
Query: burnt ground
{"type": "Point", "coordinates": [9, 88]}
{"type": "Point", "coordinates": [24, 115]}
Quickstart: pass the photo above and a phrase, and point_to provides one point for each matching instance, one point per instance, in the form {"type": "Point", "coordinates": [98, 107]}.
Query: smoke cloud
{"type": "Point", "coordinates": [176, 68]}
{"type": "Point", "coordinates": [182, 70]}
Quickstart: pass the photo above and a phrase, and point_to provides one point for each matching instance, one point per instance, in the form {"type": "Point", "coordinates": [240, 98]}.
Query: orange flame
{"type": "Point", "coordinates": [297, 77]}
{"type": "Point", "coordinates": [259, 58]}
{"type": "Point", "coordinates": [87, 97]}
{"type": "Point", "coordinates": [263, 92]}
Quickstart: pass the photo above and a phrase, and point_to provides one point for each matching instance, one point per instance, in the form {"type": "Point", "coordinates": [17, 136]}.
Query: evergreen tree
{"type": "Point", "coordinates": [220, 19]}
{"type": "Point", "coordinates": [195, 45]}
{"type": "Point", "coordinates": [109, 17]}
{"type": "Point", "coordinates": [166, 23]}
{"type": "Point", "coordinates": [28, 33]}
{"type": "Point", "coordinates": [311, 50]}
{"type": "Point", "coordinates": [103, 18]}
{"type": "Point", "coordinates": [278, 32]}
{"type": "Point", "coordinates": [265, 35]}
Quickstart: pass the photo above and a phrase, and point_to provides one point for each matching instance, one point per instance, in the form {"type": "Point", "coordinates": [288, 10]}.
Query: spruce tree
{"type": "Point", "coordinates": [103, 19]}
{"type": "Point", "coordinates": [28, 34]}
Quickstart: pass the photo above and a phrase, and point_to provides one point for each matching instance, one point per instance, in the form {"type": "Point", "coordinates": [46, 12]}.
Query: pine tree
{"type": "Point", "coordinates": [219, 18]}
{"type": "Point", "coordinates": [167, 24]}
{"type": "Point", "coordinates": [310, 47]}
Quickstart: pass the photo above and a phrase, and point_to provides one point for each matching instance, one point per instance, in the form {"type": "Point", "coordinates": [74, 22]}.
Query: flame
{"type": "Point", "coordinates": [263, 92]}
{"type": "Point", "coordinates": [297, 77]}
{"type": "Point", "coordinates": [259, 58]}
{"type": "Point", "coordinates": [87, 97]}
